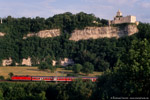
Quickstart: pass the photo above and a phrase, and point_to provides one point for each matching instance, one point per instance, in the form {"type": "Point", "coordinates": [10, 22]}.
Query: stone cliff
{"type": "Point", "coordinates": [2, 34]}
{"type": "Point", "coordinates": [102, 32]}
{"type": "Point", "coordinates": [45, 33]}
{"type": "Point", "coordinates": [28, 62]}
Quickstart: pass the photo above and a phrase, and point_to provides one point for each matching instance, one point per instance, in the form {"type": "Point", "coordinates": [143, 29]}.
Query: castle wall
{"type": "Point", "coordinates": [133, 19]}
{"type": "Point", "coordinates": [127, 19]}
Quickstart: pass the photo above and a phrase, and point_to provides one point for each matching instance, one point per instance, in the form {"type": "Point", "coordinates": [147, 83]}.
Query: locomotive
{"type": "Point", "coordinates": [51, 78]}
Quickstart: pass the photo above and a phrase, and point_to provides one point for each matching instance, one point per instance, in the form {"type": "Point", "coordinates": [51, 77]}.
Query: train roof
{"type": "Point", "coordinates": [55, 76]}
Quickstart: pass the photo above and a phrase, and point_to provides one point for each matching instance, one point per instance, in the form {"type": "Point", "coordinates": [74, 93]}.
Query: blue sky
{"type": "Point", "coordinates": [100, 8]}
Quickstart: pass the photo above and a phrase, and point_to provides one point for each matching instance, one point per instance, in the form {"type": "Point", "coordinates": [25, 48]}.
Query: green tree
{"type": "Point", "coordinates": [79, 89]}
{"type": "Point", "coordinates": [77, 68]}
{"type": "Point", "coordinates": [1, 95]}
{"type": "Point", "coordinates": [88, 68]}
{"type": "Point", "coordinates": [10, 74]}
{"type": "Point", "coordinates": [42, 96]}
{"type": "Point", "coordinates": [52, 68]}
{"type": "Point", "coordinates": [43, 66]}
{"type": "Point", "coordinates": [103, 65]}
{"type": "Point", "coordinates": [131, 77]}
{"type": "Point", "coordinates": [2, 78]}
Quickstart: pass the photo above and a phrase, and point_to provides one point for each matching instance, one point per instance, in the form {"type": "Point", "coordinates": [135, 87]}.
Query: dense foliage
{"type": "Point", "coordinates": [77, 68]}
{"type": "Point", "coordinates": [47, 91]}
{"type": "Point", "coordinates": [14, 46]}
{"type": "Point", "coordinates": [126, 61]}
{"type": "Point", "coordinates": [131, 77]}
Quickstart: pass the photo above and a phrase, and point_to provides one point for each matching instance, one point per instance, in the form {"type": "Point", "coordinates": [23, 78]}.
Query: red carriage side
{"type": "Point", "coordinates": [21, 78]}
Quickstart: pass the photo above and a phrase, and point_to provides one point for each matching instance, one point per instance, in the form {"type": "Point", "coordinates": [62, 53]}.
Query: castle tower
{"type": "Point", "coordinates": [119, 14]}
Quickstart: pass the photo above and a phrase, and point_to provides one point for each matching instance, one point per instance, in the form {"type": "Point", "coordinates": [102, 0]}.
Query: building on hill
{"type": "Point", "coordinates": [119, 19]}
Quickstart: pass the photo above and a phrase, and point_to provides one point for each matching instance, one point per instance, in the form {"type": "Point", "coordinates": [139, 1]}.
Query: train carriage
{"type": "Point", "coordinates": [51, 78]}
{"type": "Point", "coordinates": [42, 78]}
{"type": "Point", "coordinates": [21, 78]}
{"type": "Point", "coordinates": [66, 79]}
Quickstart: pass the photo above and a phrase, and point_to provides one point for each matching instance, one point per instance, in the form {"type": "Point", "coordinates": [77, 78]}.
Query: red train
{"type": "Point", "coordinates": [50, 78]}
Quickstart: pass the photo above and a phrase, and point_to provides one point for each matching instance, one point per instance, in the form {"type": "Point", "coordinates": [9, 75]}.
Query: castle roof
{"type": "Point", "coordinates": [119, 13]}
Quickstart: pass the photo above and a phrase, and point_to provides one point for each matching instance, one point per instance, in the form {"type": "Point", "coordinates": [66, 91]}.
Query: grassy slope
{"type": "Point", "coordinates": [34, 71]}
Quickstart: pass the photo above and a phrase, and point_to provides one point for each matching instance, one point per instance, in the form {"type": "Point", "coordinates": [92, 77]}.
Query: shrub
{"type": "Point", "coordinates": [77, 68]}
{"type": "Point", "coordinates": [2, 78]}
{"type": "Point", "coordinates": [88, 68]}
{"type": "Point", "coordinates": [10, 74]}
{"type": "Point", "coordinates": [43, 66]}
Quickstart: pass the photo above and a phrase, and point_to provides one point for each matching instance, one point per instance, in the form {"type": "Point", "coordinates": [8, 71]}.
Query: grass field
{"type": "Point", "coordinates": [34, 71]}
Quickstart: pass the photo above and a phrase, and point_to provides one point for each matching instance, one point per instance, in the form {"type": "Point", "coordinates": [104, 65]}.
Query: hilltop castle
{"type": "Point", "coordinates": [119, 19]}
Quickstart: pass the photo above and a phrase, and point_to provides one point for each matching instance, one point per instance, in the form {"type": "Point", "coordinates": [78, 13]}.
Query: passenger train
{"type": "Point", "coordinates": [51, 78]}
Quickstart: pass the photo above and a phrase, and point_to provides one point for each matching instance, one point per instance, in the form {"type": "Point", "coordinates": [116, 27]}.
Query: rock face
{"type": "Point", "coordinates": [27, 62]}
{"type": "Point", "coordinates": [54, 63]}
{"type": "Point", "coordinates": [102, 32]}
{"type": "Point", "coordinates": [6, 62]}
{"type": "Point", "coordinates": [2, 34]}
{"type": "Point", "coordinates": [45, 33]}
{"type": "Point", "coordinates": [66, 61]}
{"type": "Point", "coordinates": [63, 62]}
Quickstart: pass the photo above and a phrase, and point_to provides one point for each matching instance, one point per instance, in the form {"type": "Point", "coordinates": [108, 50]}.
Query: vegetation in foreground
{"type": "Point", "coordinates": [47, 91]}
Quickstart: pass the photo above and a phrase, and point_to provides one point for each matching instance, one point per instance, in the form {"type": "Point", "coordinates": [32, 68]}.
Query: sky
{"type": "Point", "coordinates": [105, 9]}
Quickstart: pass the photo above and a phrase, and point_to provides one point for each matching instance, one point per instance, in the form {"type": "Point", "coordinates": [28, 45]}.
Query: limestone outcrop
{"type": "Point", "coordinates": [45, 33]}
{"type": "Point", "coordinates": [27, 61]}
{"type": "Point", "coordinates": [7, 62]}
{"type": "Point", "coordinates": [66, 62]}
{"type": "Point", "coordinates": [102, 32]}
{"type": "Point", "coordinates": [2, 34]}
{"type": "Point", "coordinates": [63, 62]}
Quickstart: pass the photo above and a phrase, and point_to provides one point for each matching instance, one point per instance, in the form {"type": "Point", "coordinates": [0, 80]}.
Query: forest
{"type": "Point", "coordinates": [101, 53]}
{"type": "Point", "coordinates": [124, 61]}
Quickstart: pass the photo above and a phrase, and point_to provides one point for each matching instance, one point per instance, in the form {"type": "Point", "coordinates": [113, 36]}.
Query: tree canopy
{"type": "Point", "coordinates": [131, 77]}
